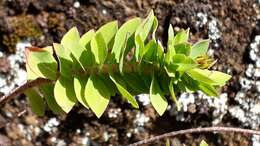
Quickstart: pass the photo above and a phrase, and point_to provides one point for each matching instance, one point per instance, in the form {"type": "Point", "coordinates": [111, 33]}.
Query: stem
{"type": "Point", "coordinates": [128, 68]}
{"type": "Point", "coordinates": [196, 130]}
{"type": "Point", "coordinates": [21, 89]}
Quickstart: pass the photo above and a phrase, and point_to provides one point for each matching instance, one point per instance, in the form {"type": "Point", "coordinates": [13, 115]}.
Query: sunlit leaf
{"type": "Point", "coordinates": [79, 86]}
{"type": "Point", "coordinates": [87, 57]}
{"type": "Point", "coordinates": [143, 30]}
{"type": "Point", "coordinates": [219, 78]}
{"type": "Point", "coordinates": [199, 49]}
{"type": "Point", "coordinates": [108, 31]}
{"type": "Point", "coordinates": [198, 75]}
{"type": "Point", "coordinates": [64, 94]}
{"type": "Point", "coordinates": [181, 37]}
{"type": "Point", "coordinates": [86, 38]}
{"type": "Point", "coordinates": [65, 61]}
{"type": "Point", "coordinates": [183, 48]}
{"type": "Point", "coordinates": [41, 63]}
{"type": "Point", "coordinates": [97, 95]}
{"type": "Point", "coordinates": [129, 28]}
{"type": "Point", "coordinates": [99, 48]}
{"type": "Point", "coordinates": [158, 101]}
{"type": "Point", "coordinates": [71, 42]}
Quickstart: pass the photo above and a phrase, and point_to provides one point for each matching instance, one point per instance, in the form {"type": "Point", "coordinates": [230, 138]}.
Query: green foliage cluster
{"type": "Point", "coordinates": [129, 60]}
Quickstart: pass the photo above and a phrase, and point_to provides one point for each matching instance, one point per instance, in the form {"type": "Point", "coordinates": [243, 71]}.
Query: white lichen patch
{"type": "Point", "coordinates": [141, 119]}
{"type": "Point", "coordinates": [51, 125]}
{"type": "Point", "coordinates": [17, 74]}
{"type": "Point", "coordinates": [113, 112]}
{"type": "Point", "coordinates": [248, 109]}
{"type": "Point", "coordinates": [144, 99]}
{"type": "Point", "coordinates": [213, 31]}
{"type": "Point", "coordinates": [189, 102]}
{"type": "Point", "coordinates": [202, 19]}
{"type": "Point", "coordinates": [29, 132]}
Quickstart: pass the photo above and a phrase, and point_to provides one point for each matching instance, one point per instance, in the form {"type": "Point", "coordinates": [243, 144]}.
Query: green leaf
{"type": "Point", "coordinates": [203, 143]}
{"type": "Point", "coordinates": [108, 31]}
{"type": "Point", "coordinates": [219, 78]}
{"type": "Point", "coordinates": [181, 63]}
{"type": "Point", "coordinates": [30, 74]}
{"type": "Point", "coordinates": [65, 61]}
{"type": "Point", "coordinates": [158, 101]}
{"type": "Point", "coordinates": [86, 38]}
{"type": "Point", "coordinates": [183, 48]}
{"type": "Point", "coordinates": [87, 57]}
{"type": "Point", "coordinates": [143, 30]}
{"type": "Point", "coordinates": [64, 94]}
{"type": "Point", "coordinates": [199, 49]}
{"type": "Point", "coordinates": [97, 95]}
{"type": "Point", "coordinates": [160, 53]}
{"type": "Point", "coordinates": [121, 62]}
{"type": "Point", "coordinates": [199, 75]}
{"type": "Point", "coordinates": [99, 48]}
{"type": "Point", "coordinates": [36, 101]}
{"type": "Point", "coordinates": [208, 89]}
{"type": "Point", "coordinates": [171, 89]}
{"type": "Point", "coordinates": [170, 42]}
{"type": "Point", "coordinates": [127, 28]}
{"type": "Point", "coordinates": [120, 84]}
{"type": "Point", "coordinates": [154, 28]}
{"type": "Point", "coordinates": [181, 37]}
{"type": "Point", "coordinates": [110, 84]}
{"type": "Point", "coordinates": [79, 86]}
{"type": "Point", "coordinates": [135, 82]}
{"type": "Point", "coordinates": [151, 51]}
{"type": "Point", "coordinates": [48, 93]}
{"type": "Point", "coordinates": [41, 63]}
{"type": "Point", "coordinates": [71, 42]}
{"type": "Point", "coordinates": [190, 83]}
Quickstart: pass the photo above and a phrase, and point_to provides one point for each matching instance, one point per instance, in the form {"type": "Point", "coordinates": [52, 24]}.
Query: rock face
{"type": "Point", "coordinates": [232, 26]}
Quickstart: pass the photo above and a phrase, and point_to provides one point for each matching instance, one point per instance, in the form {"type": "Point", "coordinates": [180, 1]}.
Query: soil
{"type": "Point", "coordinates": [46, 21]}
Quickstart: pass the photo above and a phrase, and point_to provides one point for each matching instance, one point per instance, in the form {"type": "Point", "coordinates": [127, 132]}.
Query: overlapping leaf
{"type": "Point", "coordinates": [128, 60]}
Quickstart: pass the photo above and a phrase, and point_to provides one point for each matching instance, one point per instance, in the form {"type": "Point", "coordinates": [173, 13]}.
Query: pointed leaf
{"type": "Point", "coordinates": [122, 89]}
{"type": "Point", "coordinates": [64, 94]}
{"type": "Point", "coordinates": [181, 37]}
{"type": "Point", "coordinates": [171, 89]}
{"type": "Point", "coordinates": [183, 48]}
{"type": "Point", "coordinates": [70, 41]}
{"type": "Point", "coordinates": [79, 86]}
{"type": "Point", "coordinates": [128, 27]}
{"type": "Point", "coordinates": [219, 78]}
{"type": "Point", "coordinates": [158, 101]}
{"type": "Point", "coordinates": [208, 89]}
{"type": "Point", "coordinates": [65, 61]}
{"type": "Point", "coordinates": [97, 95]}
{"type": "Point", "coordinates": [48, 93]}
{"type": "Point", "coordinates": [41, 62]}
{"type": "Point", "coordinates": [87, 57]}
{"type": "Point", "coordinates": [99, 48]}
{"type": "Point", "coordinates": [86, 38]}
{"type": "Point", "coordinates": [199, 49]}
{"type": "Point", "coordinates": [143, 31]}
{"type": "Point", "coordinates": [198, 75]}
{"type": "Point", "coordinates": [108, 31]}
{"type": "Point", "coordinates": [36, 101]}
